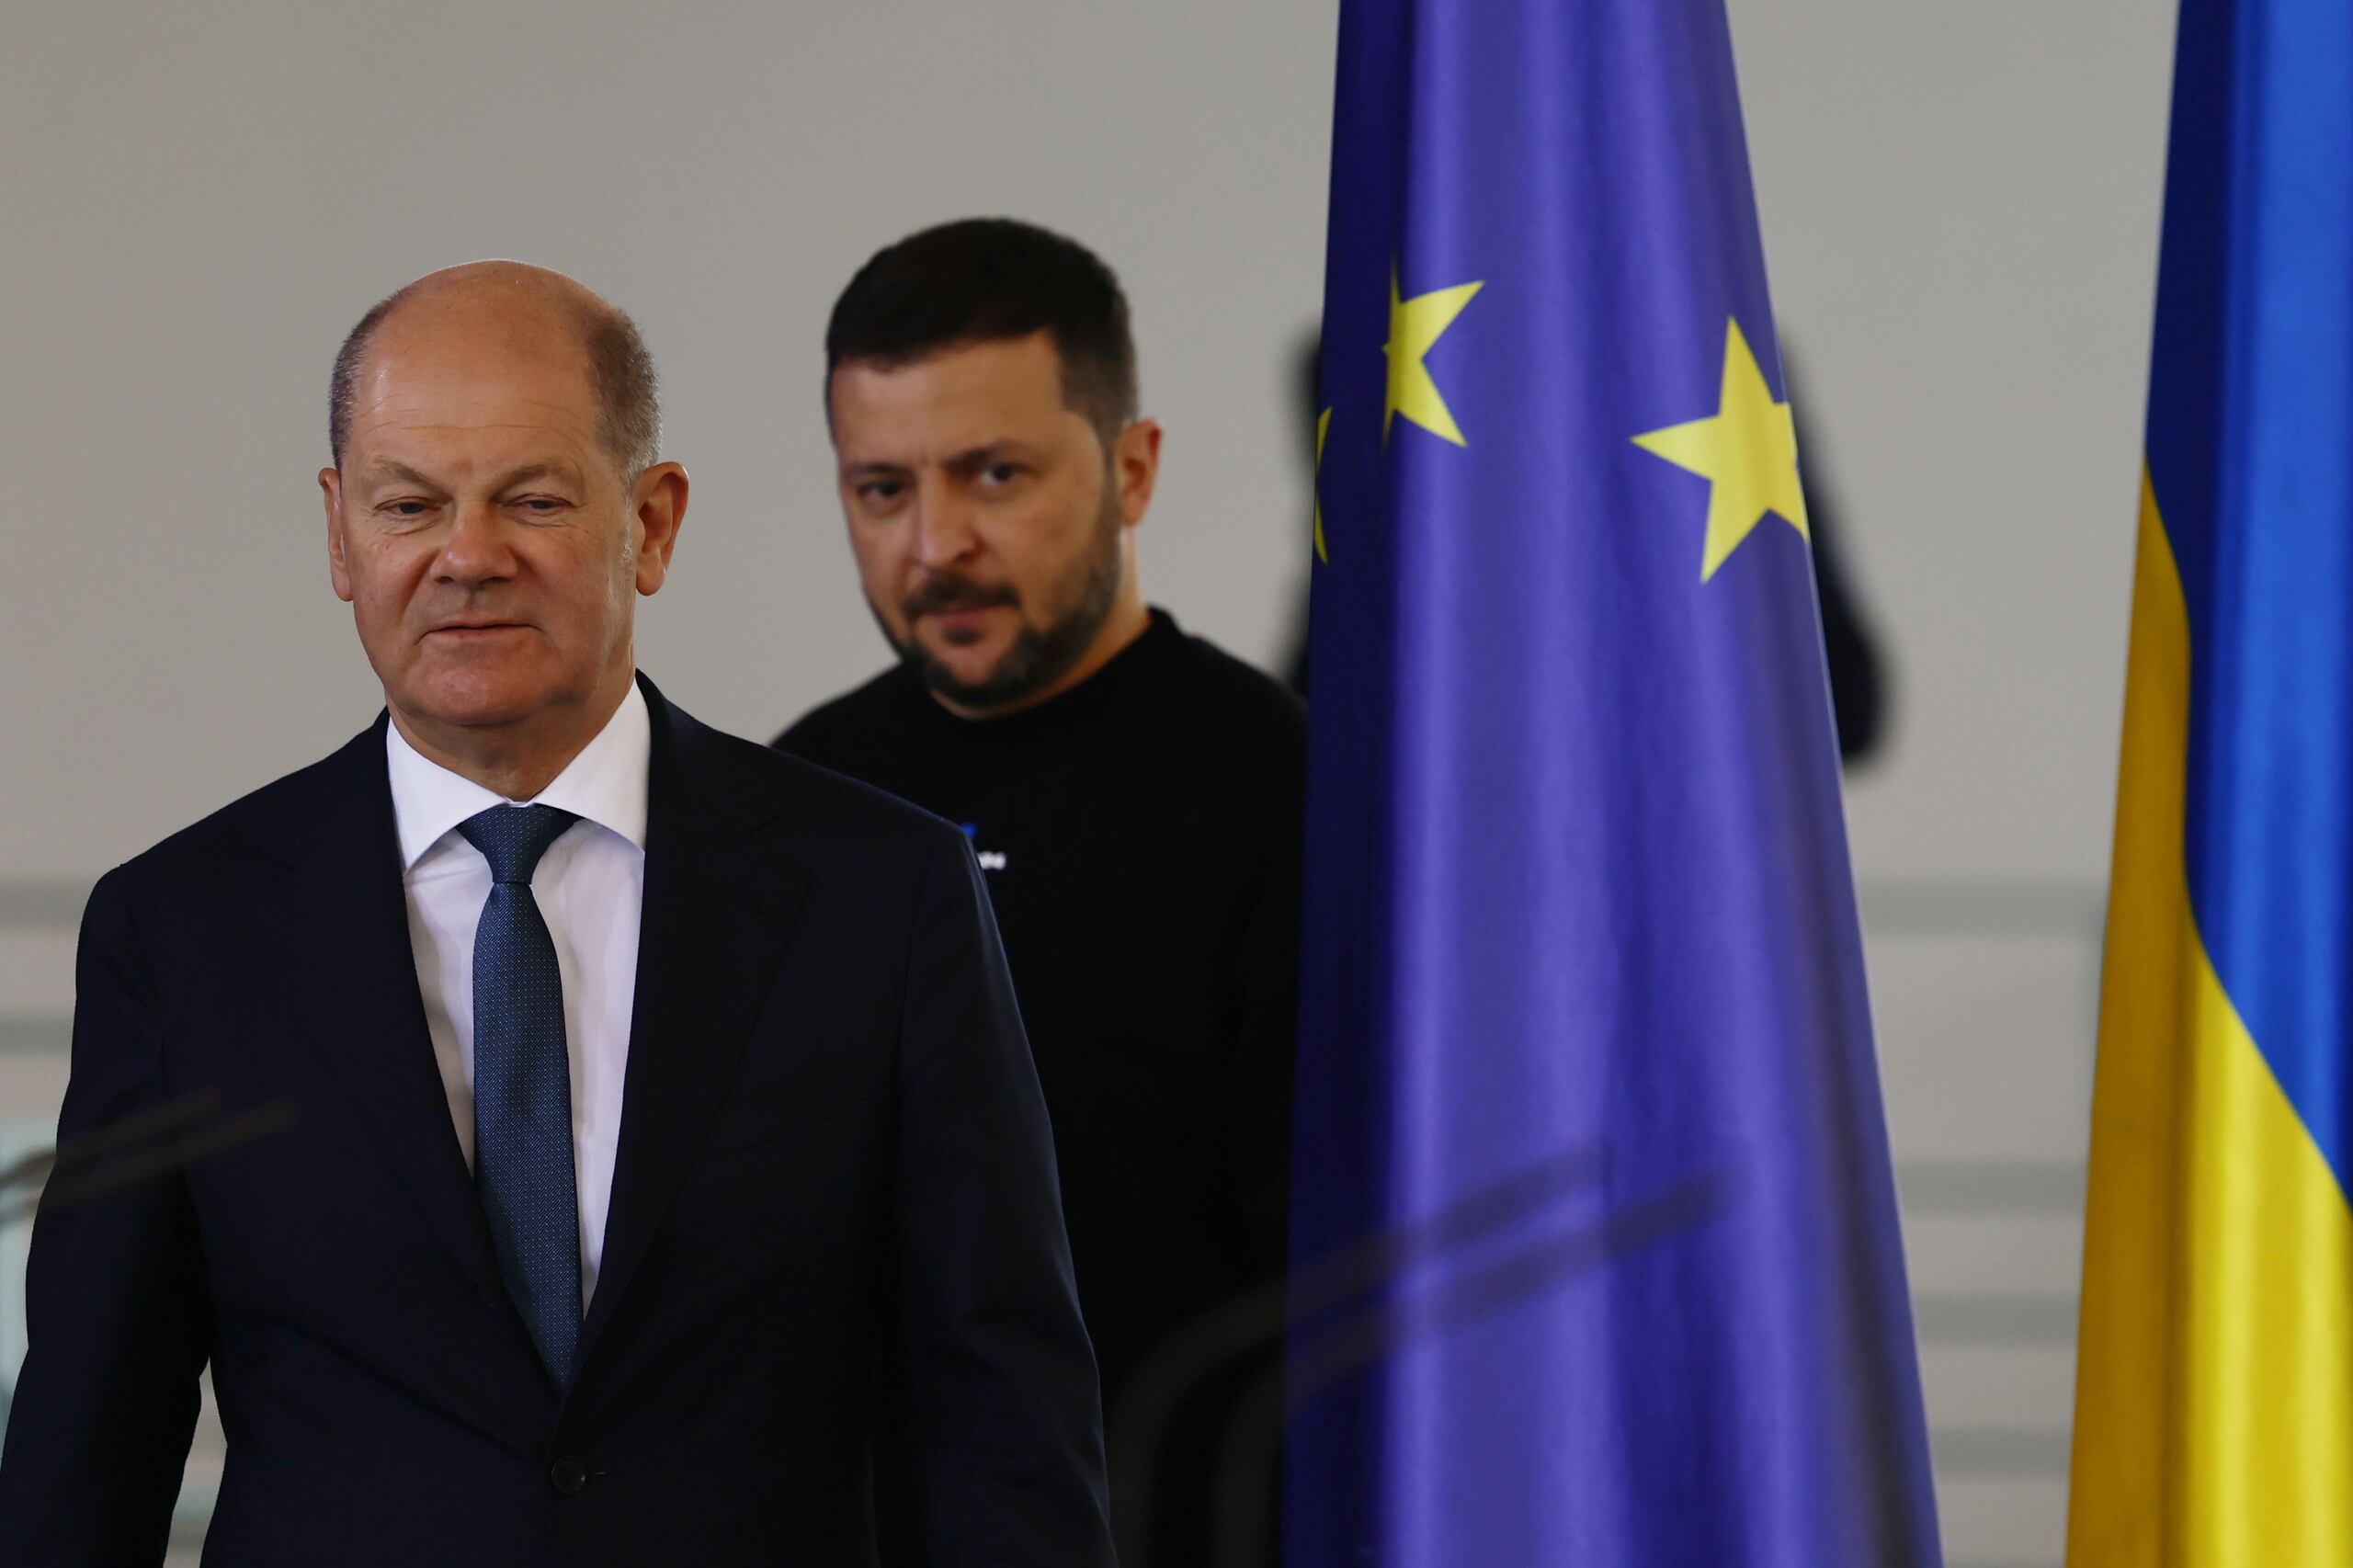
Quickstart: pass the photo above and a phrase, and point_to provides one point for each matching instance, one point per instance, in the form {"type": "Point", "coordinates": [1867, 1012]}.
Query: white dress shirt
{"type": "Point", "coordinates": [590, 887]}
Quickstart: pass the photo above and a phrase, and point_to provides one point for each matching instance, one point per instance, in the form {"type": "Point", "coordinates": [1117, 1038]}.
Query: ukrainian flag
{"type": "Point", "coordinates": [2214, 1402]}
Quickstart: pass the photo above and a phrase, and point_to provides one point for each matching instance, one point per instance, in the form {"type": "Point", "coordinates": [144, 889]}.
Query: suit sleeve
{"type": "Point", "coordinates": [115, 1299]}
{"type": "Point", "coordinates": [1001, 1412]}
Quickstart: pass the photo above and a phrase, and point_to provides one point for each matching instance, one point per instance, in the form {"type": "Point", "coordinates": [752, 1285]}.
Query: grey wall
{"type": "Point", "coordinates": [1960, 204]}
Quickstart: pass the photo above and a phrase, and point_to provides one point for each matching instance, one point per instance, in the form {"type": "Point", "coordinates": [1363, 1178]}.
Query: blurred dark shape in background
{"type": "Point", "coordinates": [1858, 684]}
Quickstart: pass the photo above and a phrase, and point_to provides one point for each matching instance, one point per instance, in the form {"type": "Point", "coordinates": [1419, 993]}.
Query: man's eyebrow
{"type": "Point", "coordinates": [987, 452]}
{"type": "Point", "coordinates": [965, 462]}
{"type": "Point", "coordinates": [562, 473]}
{"type": "Point", "coordinates": [389, 471]}
{"type": "Point", "coordinates": [386, 472]}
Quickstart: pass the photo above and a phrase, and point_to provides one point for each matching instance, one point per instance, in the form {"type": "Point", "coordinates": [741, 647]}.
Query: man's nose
{"type": "Point", "coordinates": [476, 549]}
{"type": "Point", "coordinates": [944, 531]}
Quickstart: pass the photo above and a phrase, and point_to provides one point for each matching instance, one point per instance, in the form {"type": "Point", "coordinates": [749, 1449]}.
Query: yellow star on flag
{"type": "Point", "coordinates": [1414, 325]}
{"type": "Point", "coordinates": [1749, 449]}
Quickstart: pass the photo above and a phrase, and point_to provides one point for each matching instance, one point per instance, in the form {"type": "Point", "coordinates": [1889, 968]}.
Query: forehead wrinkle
{"type": "Point", "coordinates": [439, 407]}
{"type": "Point", "coordinates": [487, 425]}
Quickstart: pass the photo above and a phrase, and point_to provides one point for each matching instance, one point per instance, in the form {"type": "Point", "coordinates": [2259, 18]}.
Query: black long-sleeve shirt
{"type": "Point", "coordinates": [1140, 834]}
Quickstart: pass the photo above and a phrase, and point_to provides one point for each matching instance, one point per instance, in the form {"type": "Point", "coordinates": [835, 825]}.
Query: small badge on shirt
{"type": "Point", "coordinates": [990, 859]}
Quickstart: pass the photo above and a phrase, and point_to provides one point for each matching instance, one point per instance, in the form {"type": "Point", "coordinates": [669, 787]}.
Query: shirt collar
{"type": "Point", "coordinates": [605, 784]}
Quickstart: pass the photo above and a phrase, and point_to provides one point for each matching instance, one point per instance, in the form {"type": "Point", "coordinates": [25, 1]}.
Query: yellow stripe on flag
{"type": "Point", "coordinates": [2214, 1374]}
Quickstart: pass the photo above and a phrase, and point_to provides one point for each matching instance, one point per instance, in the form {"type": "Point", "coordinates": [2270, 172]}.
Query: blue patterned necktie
{"type": "Point", "coordinates": [523, 1084]}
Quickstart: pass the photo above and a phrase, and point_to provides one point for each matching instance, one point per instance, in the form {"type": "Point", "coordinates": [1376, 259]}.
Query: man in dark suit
{"type": "Point", "coordinates": [569, 1115]}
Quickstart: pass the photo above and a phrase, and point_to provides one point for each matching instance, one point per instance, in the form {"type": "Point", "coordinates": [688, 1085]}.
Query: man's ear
{"type": "Point", "coordinates": [338, 559]}
{"type": "Point", "coordinates": [658, 509]}
{"type": "Point", "coordinates": [1135, 468]}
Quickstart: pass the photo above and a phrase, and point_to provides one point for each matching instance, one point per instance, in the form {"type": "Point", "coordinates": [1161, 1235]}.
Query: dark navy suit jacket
{"type": "Point", "coordinates": [833, 1176]}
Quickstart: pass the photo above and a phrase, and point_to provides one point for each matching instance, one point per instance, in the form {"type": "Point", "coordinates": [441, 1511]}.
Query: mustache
{"type": "Point", "coordinates": [952, 590]}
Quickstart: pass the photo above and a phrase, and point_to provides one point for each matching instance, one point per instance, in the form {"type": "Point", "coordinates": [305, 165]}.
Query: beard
{"type": "Point", "coordinates": [1040, 654]}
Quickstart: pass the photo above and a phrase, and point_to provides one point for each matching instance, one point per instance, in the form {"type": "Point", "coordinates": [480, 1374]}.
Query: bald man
{"type": "Point", "coordinates": [550, 1120]}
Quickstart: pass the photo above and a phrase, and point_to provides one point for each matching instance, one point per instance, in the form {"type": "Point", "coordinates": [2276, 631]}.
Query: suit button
{"type": "Point", "coordinates": [567, 1475]}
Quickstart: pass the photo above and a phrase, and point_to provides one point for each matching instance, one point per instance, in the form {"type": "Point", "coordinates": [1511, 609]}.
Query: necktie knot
{"type": "Point", "coordinates": [512, 838]}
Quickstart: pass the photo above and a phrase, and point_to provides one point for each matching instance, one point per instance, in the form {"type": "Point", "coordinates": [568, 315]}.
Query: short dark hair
{"type": "Point", "coordinates": [628, 395]}
{"type": "Point", "coordinates": [984, 281]}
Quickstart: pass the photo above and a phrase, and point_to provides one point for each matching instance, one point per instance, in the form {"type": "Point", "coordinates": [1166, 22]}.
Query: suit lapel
{"type": "Point", "coordinates": [718, 913]}
{"type": "Point", "coordinates": [351, 938]}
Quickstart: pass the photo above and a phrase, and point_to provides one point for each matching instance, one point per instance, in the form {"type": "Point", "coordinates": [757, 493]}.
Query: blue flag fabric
{"type": "Point", "coordinates": [1597, 1244]}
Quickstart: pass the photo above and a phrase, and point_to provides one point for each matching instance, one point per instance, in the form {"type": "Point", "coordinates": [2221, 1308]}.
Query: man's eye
{"type": "Point", "coordinates": [1001, 473]}
{"type": "Point", "coordinates": [882, 490]}
{"type": "Point", "coordinates": [542, 505]}
{"type": "Point", "coordinates": [405, 508]}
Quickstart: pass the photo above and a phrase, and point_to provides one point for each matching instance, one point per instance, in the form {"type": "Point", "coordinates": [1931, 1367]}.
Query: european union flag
{"type": "Point", "coordinates": [1599, 1250]}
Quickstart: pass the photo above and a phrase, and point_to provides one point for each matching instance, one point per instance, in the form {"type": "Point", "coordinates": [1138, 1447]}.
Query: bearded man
{"type": "Point", "coordinates": [1133, 794]}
